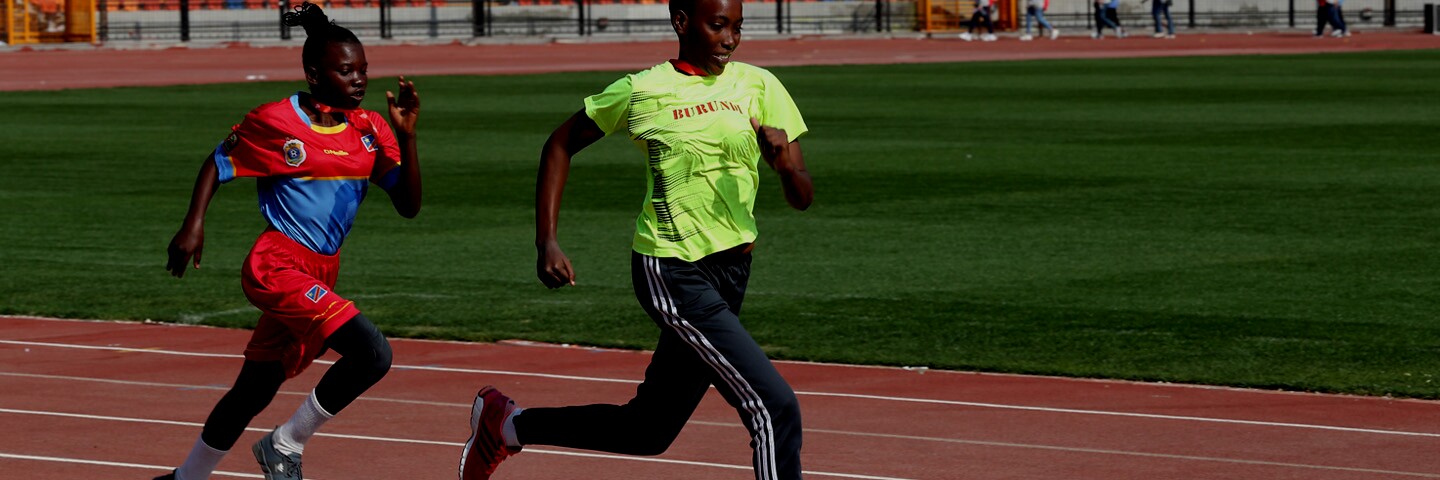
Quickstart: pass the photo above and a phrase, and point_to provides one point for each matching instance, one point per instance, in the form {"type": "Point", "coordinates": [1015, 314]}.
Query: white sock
{"type": "Point", "coordinates": [507, 430]}
{"type": "Point", "coordinates": [290, 438]}
{"type": "Point", "coordinates": [200, 463]}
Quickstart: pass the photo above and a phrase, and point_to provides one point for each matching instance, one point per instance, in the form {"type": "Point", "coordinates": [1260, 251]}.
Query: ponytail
{"type": "Point", "coordinates": [319, 31]}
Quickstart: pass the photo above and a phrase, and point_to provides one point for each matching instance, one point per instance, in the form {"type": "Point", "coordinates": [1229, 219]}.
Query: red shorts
{"type": "Point", "coordinates": [294, 289]}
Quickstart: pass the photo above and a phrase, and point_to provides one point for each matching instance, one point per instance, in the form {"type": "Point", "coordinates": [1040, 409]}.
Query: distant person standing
{"type": "Point", "coordinates": [1107, 14]}
{"type": "Point", "coordinates": [1160, 8]}
{"type": "Point", "coordinates": [1325, 14]}
{"type": "Point", "coordinates": [1337, 13]}
{"type": "Point", "coordinates": [984, 10]}
{"type": "Point", "coordinates": [1035, 10]}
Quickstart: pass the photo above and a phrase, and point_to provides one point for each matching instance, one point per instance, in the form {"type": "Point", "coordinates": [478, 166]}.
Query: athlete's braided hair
{"type": "Point", "coordinates": [319, 31]}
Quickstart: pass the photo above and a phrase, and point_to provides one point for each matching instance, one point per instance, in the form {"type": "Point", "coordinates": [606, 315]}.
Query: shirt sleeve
{"type": "Point", "coordinates": [386, 171]}
{"type": "Point", "coordinates": [778, 110]}
{"type": "Point", "coordinates": [610, 108]}
{"type": "Point", "coordinates": [255, 148]}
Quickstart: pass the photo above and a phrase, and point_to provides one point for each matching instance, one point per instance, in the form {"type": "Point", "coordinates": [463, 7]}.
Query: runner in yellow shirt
{"type": "Point", "coordinates": [704, 124]}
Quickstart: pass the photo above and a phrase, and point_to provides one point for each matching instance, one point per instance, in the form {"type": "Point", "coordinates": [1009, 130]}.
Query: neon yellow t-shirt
{"type": "Point", "coordinates": [703, 157]}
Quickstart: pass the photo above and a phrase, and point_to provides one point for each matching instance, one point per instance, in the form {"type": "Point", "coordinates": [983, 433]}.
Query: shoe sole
{"type": "Point", "coordinates": [476, 409]}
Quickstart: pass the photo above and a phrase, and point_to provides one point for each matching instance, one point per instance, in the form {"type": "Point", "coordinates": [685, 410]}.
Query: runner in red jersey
{"type": "Point", "coordinates": [314, 156]}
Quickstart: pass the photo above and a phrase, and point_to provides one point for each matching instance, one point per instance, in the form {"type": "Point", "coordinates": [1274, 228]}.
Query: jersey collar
{"type": "Point", "coordinates": [687, 68]}
{"type": "Point", "coordinates": [322, 108]}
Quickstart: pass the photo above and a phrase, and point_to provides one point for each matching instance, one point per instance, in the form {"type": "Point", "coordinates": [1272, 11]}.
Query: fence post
{"type": "Point", "coordinates": [1389, 13]}
{"type": "Point", "coordinates": [477, 15]}
{"type": "Point", "coordinates": [1090, 14]}
{"type": "Point", "coordinates": [434, 20]}
{"type": "Point", "coordinates": [581, 4]}
{"type": "Point", "coordinates": [1292, 13]}
{"type": "Point", "coordinates": [103, 25]}
{"type": "Point", "coordinates": [284, 6]}
{"type": "Point", "coordinates": [779, 16]}
{"type": "Point", "coordinates": [385, 19]}
{"type": "Point", "coordinates": [879, 16]}
{"type": "Point", "coordinates": [184, 20]}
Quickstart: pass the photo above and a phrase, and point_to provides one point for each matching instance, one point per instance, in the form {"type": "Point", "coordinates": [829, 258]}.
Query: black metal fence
{"type": "Point", "coordinates": [250, 20]}
{"type": "Point", "coordinates": [1256, 14]}
{"type": "Point", "coordinates": [256, 20]}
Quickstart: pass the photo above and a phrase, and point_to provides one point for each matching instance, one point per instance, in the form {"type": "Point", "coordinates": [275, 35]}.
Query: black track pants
{"type": "Point", "coordinates": [697, 306]}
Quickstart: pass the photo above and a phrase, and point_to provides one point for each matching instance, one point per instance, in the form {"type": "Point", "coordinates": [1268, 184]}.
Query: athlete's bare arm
{"type": "Point", "coordinates": [787, 161]}
{"type": "Point", "coordinates": [190, 240]}
{"type": "Point", "coordinates": [578, 132]}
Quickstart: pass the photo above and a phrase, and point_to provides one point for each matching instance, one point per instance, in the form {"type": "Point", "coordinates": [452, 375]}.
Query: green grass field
{"type": "Point", "coordinates": [1251, 221]}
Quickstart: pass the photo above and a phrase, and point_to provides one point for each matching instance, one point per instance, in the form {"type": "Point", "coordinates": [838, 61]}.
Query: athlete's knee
{"type": "Point", "coordinates": [383, 358]}
{"type": "Point", "coordinates": [363, 344]}
{"type": "Point", "coordinates": [784, 405]}
{"type": "Point", "coordinates": [375, 359]}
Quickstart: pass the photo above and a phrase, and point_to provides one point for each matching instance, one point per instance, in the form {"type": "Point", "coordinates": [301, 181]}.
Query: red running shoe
{"type": "Point", "coordinates": [486, 448]}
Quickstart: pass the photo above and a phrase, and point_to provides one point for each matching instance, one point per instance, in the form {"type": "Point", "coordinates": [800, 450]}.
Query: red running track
{"type": "Point", "coordinates": [86, 399]}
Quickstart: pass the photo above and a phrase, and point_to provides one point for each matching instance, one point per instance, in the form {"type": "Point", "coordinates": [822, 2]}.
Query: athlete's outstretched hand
{"type": "Point", "coordinates": [774, 144]}
{"type": "Point", "coordinates": [405, 108]}
{"type": "Point", "coordinates": [188, 242]}
{"type": "Point", "coordinates": [553, 267]}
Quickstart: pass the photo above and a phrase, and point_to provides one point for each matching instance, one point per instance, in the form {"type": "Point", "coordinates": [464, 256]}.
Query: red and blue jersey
{"type": "Point", "coordinates": [311, 179]}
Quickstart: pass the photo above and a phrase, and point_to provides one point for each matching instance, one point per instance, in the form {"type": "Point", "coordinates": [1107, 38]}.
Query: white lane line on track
{"type": "Point", "coordinates": [194, 318]}
{"type": "Point", "coordinates": [82, 461]}
{"type": "Point", "coordinates": [438, 443]}
{"type": "Point", "coordinates": [959, 403]}
{"type": "Point", "coordinates": [373, 398]}
{"type": "Point", "coordinates": [396, 367]}
{"type": "Point", "coordinates": [1163, 456]}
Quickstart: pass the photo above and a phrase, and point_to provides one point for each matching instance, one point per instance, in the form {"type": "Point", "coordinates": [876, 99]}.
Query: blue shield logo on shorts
{"type": "Point", "coordinates": [315, 293]}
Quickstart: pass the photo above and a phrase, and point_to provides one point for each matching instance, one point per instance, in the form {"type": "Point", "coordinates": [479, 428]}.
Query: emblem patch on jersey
{"type": "Point", "coordinates": [294, 151]}
{"type": "Point", "coordinates": [315, 293]}
{"type": "Point", "coordinates": [230, 142]}
{"type": "Point", "coordinates": [369, 141]}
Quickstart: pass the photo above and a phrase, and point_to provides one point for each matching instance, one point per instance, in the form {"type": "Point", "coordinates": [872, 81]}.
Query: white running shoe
{"type": "Point", "coordinates": [1170, 37]}
{"type": "Point", "coordinates": [1158, 35]}
{"type": "Point", "coordinates": [1026, 38]}
{"type": "Point", "coordinates": [1054, 34]}
{"type": "Point", "coordinates": [1096, 35]}
{"type": "Point", "coordinates": [1337, 33]}
{"type": "Point", "coordinates": [967, 36]}
{"type": "Point", "coordinates": [989, 37]}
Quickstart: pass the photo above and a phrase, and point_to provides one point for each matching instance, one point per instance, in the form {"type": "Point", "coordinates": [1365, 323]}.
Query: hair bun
{"type": "Point", "coordinates": [309, 16]}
